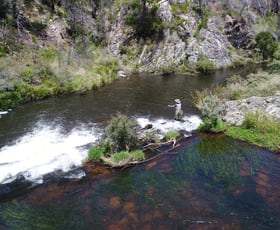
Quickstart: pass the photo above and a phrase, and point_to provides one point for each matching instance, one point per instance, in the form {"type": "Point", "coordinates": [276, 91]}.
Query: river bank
{"type": "Point", "coordinates": [249, 106]}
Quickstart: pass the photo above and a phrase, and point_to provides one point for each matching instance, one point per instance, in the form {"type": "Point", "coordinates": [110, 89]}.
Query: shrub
{"type": "Point", "coordinates": [146, 24]}
{"type": "Point", "coordinates": [95, 153]}
{"type": "Point", "coordinates": [266, 44]}
{"type": "Point", "coordinates": [215, 126]}
{"type": "Point", "coordinates": [205, 66]}
{"type": "Point", "coordinates": [202, 24]}
{"type": "Point", "coordinates": [212, 109]}
{"type": "Point", "coordinates": [274, 67]}
{"type": "Point", "coordinates": [276, 54]}
{"type": "Point", "coordinates": [171, 134]}
{"type": "Point", "coordinates": [9, 99]}
{"type": "Point", "coordinates": [121, 131]}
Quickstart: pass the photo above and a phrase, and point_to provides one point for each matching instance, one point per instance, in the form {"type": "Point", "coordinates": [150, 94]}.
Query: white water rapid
{"type": "Point", "coordinates": [47, 148]}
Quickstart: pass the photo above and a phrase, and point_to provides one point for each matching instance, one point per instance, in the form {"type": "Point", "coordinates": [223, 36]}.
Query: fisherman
{"type": "Point", "coordinates": [178, 110]}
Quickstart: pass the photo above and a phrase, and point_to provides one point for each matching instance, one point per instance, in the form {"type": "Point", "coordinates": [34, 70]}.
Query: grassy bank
{"type": "Point", "coordinates": [258, 128]}
{"type": "Point", "coordinates": [42, 72]}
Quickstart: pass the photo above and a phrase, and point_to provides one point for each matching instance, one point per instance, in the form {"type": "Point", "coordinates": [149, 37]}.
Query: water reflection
{"type": "Point", "coordinates": [210, 183]}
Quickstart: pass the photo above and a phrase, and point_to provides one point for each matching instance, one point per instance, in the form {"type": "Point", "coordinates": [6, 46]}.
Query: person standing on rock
{"type": "Point", "coordinates": [178, 110]}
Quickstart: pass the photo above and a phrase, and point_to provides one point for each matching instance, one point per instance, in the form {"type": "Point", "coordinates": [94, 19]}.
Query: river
{"type": "Point", "coordinates": [211, 182]}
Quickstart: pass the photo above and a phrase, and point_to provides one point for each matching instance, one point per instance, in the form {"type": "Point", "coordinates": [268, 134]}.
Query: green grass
{"type": "Point", "coordinates": [171, 134]}
{"type": "Point", "coordinates": [259, 129]}
{"type": "Point", "coordinates": [260, 84]}
{"type": "Point", "coordinates": [137, 155]}
{"type": "Point", "coordinates": [95, 153]}
{"type": "Point", "coordinates": [129, 156]}
{"type": "Point", "coordinates": [121, 156]}
{"type": "Point", "coordinates": [40, 73]}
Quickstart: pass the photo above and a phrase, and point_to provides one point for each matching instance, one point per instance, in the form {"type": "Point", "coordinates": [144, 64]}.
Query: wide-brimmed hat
{"type": "Point", "coordinates": [178, 101]}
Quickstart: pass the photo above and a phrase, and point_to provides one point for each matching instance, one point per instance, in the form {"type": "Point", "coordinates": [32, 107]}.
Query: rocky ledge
{"type": "Point", "coordinates": [236, 110]}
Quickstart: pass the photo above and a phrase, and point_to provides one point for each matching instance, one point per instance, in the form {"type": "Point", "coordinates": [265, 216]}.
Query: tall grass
{"type": "Point", "coordinates": [39, 73]}
{"type": "Point", "coordinates": [259, 84]}
{"type": "Point", "coordinates": [260, 129]}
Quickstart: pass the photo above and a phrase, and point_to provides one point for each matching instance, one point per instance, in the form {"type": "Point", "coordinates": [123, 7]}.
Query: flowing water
{"type": "Point", "coordinates": [210, 182]}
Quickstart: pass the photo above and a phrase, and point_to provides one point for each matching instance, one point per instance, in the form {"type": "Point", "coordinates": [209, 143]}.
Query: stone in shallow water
{"type": "Point", "coordinates": [115, 202]}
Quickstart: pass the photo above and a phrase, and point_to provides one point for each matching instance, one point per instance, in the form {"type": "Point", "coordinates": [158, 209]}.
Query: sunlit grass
{"type": "Point", "coordinates": [259, 129]}
{"type": "Point", "coordinates": [39, 73]}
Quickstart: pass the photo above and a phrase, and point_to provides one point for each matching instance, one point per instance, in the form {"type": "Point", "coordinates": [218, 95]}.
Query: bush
{"type": "Point", "coordinates": [9, 99]}
{"type": "Point", "coordinates": [146, 25]}
{"type": "Point", "coordinates": [266, 44]}
{"type": "Point", "coordinates": [205, 66]}
{"type": "Point", "coordinates": [215, 126]}
{"type": "Point", "coordinates": [95, 153]}
{"type": "Point", "coordinates": [212, 109]}
{"type": "Point", "coordinates": [49, 54]}
{"type": "Point", "coordinates": [121, 131]}
{"type": "Point", "coordinates": [274, 67]}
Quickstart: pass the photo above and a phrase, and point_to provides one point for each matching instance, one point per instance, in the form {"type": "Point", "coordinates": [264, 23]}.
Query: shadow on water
{"type": "Point", "coordinates": [212, 182]}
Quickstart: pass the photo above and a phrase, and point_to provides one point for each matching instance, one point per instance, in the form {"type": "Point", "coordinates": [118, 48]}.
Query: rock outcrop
{"type": "Point", "coordinates": [238, 33]}
{"type": "Point", "coordinates": [212, 43]}
{"type": "Point", "coordinates": [236, 110]}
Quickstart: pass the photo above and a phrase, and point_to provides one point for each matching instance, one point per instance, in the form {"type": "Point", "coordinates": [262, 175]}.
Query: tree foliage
{"type": "Point", "coordinates": [144, 20]}
{"type": "Point", "coordinates": [4, 8]}
{"type": "Point", "coordinates": [266, 44]}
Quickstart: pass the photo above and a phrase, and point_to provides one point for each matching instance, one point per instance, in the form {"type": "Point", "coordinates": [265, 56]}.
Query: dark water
{"type": "Point", "coordinates": [210, 182]}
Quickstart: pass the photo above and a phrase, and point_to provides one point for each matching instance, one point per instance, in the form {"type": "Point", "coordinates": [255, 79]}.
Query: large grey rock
{"type": "Point", "coordinates": [164, 11]}
{"type": "Point", "coordinates": [170, 52]}
{"type": "Point", "coordinates": [210, 43]}
{"type": "Point", "coordinates": [236, 110]}
{"type": "Point", "coordinates": [174, 2]}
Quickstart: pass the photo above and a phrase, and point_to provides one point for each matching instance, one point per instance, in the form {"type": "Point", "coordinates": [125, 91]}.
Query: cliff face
{"type": "Point", "coordinates": [205, 29]}
{"type": "Point", "coordinates": [191, 30]}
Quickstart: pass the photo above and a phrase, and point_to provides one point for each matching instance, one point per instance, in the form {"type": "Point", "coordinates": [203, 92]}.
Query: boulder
{"type": "Point", "coordinates": [211, 43]}
{"type": "Point", "coordinates": [236, 110]}
{"type": "Point", "coordinates": [164, 11]}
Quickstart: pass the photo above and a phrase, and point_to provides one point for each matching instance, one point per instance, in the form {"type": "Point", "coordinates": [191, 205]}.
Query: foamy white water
{"type": "Point", "coordinates": [3, 113]}
{"type": "Point", "coordinates": [45, 150]}
{"type": "Point", "coordinates": [189, 124]}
